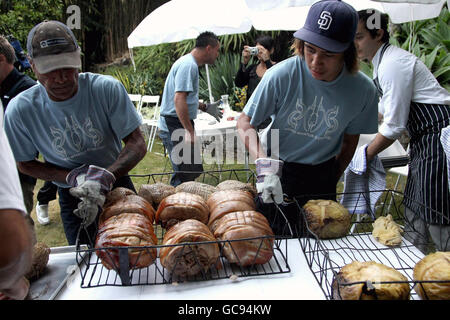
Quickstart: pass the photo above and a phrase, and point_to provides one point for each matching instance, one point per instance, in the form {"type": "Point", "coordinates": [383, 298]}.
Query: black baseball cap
{"type": "Point", "coordinates": [330, 25]}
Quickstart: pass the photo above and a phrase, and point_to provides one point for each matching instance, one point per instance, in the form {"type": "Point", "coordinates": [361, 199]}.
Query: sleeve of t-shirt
{"type": "Point", "coordinates": [122, 113]}
{"type": "Point", "coordinates": [19, 138]}
{"type": "Point", "coordinates": [262, 103]}
{"type": "Point", "coordinates": [10, 191]}
{"type": "Point", "coordinates": [366, 122]}
{"type": "Point", "coordinates": [184, 77]}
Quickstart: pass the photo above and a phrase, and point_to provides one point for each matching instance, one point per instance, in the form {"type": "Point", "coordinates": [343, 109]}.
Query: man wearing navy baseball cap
{"type": "Point", "coordinates": [320, 104]}
{"type": "Point", "coordinates": [77, 121]}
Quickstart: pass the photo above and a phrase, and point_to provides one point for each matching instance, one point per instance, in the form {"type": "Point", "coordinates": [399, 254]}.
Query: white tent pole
{"type": "Point", "coordinates": [211, 98]}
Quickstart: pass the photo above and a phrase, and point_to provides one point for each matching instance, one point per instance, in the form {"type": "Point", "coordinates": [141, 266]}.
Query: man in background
{"type": "Point", "coordinates": [13, 82]}
{"type": "Point", "coordinates": [179, 107]}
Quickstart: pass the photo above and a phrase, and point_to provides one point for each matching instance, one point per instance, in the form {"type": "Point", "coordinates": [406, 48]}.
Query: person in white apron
{"type": "Point", "coordinates": [410, 99]}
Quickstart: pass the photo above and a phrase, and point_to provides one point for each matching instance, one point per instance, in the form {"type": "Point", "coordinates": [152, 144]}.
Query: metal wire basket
{"type": "Point", "coordinates": [325, 258]}
{"type": "Point", "coordinates": [125, 271]}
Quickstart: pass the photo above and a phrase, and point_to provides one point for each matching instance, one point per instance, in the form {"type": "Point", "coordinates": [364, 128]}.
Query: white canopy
{"type": "Point", "coordinates": [178, 20]}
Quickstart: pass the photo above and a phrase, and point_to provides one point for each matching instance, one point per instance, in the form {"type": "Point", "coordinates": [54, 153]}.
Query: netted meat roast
{"type": "Point", "coordinates": [241, 225]}
{"type": "Point", "coordinates": [126, 229]}
{"type": "Point", "coordinates": [221, 203]}
{"type": "Point", "coordinates": [181, 206]}
{"type": "Point", "coordinates": [190, 258]}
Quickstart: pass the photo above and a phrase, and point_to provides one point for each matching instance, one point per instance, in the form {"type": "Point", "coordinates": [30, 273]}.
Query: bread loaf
{"type": "Point", "coordinates": [129, 204]}
{"type": "Point", "coordinates": [241, 225]}
{"type": "Point", "coordinates": [181, 206]}
{"type": "Point", "coordinates": [221, 203]}
{"type": "Point", "coordinates": [433, 267]}
{"type": "Point", "coordinates": [360, 272]}
{"type": "Point", "coordinates": [126, 229]}
{"type": "Point", "coordinates": [190, 258]}
{"type": "Point", "coordinates": [327, 219]}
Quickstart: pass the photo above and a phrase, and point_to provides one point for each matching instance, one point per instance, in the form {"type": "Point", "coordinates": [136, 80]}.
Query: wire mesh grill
{"type": "Point", "coordinates": [325, 258]}
{"type": "Point", "coordinates": [125, 272]}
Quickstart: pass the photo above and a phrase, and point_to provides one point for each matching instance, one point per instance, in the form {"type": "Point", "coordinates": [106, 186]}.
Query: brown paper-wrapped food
{"type": "Point", "coordinates": [327, 219]}
{"type": "Point", "coordinates": [397, 289]}
{"type": "Point", "coordinates": [433, 267]}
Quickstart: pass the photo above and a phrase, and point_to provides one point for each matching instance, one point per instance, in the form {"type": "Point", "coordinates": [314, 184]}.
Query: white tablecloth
{"type": "Point", "coordinates": [299, 284]}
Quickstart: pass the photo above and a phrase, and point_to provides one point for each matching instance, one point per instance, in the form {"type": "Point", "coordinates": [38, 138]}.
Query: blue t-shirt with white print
{"type": "Point", "coordinates": [85, 129]}
{"type": "Point", "coordinates": [312, 115]}
{"type": "Point", "coordinates": [182, 77]}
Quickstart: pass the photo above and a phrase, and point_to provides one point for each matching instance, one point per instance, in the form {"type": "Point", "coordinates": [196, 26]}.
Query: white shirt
{"type": "Point", "coordinates": [403, 78]}
{"type": "Point", "coordinates": [10, 190]}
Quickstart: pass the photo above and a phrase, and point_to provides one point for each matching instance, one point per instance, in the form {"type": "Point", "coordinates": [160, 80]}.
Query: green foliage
{"type": "Point", "coordinates": [24, 15]}
{"type": "Point", "coordinates": [221, 76]}
{"type": "Point", "coordinates": [430, 41]}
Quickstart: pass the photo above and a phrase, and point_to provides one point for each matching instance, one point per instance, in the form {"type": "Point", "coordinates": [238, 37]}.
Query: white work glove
{"type": "Point", "coordinates": [214, 110]}
{"type": "Point", "coordinates": [88, 208]}
{"type": "Point", "coordinates": [94, 186]}
{"type": "Point", "coordinates": [268, 185]}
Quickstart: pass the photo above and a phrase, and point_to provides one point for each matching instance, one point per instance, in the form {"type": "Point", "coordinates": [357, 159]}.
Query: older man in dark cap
{"type": "Point", "coordinates": [77, 121]}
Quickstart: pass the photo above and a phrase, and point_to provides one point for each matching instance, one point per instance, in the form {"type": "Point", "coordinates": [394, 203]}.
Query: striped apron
{"type": "Point", "coordinates": [427, 186]}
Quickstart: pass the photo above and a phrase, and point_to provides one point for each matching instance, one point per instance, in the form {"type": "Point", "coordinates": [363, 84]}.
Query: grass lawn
{"type": "Point", "coordinates": [153, 163]}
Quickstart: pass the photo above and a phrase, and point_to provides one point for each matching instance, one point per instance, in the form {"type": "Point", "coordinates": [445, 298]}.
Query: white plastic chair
{"type": "Point", "coordinates": [150, 118]}
{"type": "Point", "coordinates": [136, 99]}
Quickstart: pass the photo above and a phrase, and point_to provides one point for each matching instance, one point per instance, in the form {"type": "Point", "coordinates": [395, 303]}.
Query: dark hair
{"type": "Point", "coordinates": [266, 41]}
{"type": "Point", "coordinates": [350, 55]}
{"type": "Point", "coordinates": [366, 16]}
{"type": "Point", "coordinates": [206, 38]}
{"type": "Point", "coordinates": [7, 50]}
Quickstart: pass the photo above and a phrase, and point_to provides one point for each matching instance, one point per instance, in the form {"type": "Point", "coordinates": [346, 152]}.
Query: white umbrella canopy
{"type": "Point", "coordinates": [285, 11]}
{"type": "Point", "coordinates": [179, 20]}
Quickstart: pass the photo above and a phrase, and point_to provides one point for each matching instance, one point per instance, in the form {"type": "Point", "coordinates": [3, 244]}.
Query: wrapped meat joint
{"type": "Point", "coordinates": [181, 206]}
{"type": "Point", "coordinates": [237, 185]}
{"type": "Point", "coordinates": [242, 225]}
{"type": "Point", "coordinates": [327, 219]}
{"type": "Point", "coordinates": [369, 281]}
{"type": "Point", "coordinates": [189, 258]}
{"type": "Point", "coordinates": [117, 194]}
{"type": "Point", "coordinates": [126, 230]}
{"type": "Point", "coordinates": [155, 193]}
{"type": "Point", "coordinates": [128, 204]}
{"type": "Point", "coordinates": [433, 274]}
{"type": "Point", "coordinates": [201, 189]}
{"type": "Point", "coordinates": [221, 203]}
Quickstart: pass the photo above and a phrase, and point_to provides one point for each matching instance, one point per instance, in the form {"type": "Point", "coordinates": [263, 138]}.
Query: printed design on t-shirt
{"type": "Point", "coordinates": [76, 137]}
{"type": "Point", "coordinates": [311, 120]}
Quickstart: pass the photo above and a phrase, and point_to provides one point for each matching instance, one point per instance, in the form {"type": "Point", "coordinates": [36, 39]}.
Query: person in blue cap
{"type": "Point", "coordinates": [320, 104]}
